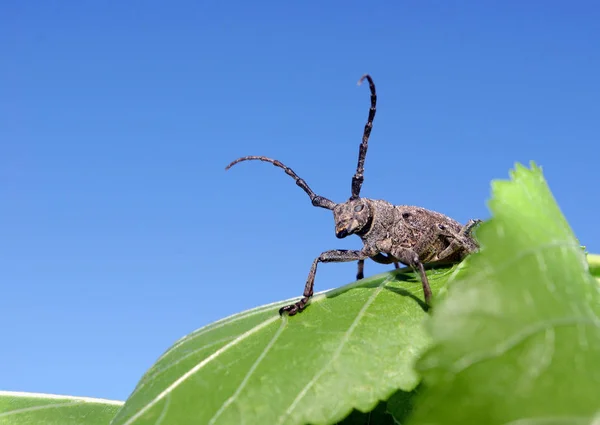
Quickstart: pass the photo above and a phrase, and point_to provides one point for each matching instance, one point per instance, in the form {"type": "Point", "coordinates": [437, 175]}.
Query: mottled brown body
{"type": "Point", "coordinates": [404, 226]}
{"type": "Point", "coordinates": [390, 233]}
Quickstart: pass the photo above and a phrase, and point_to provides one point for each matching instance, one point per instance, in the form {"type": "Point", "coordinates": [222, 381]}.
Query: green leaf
{"type": "Point", "coordinates": [594, 263]}
{"type": "Point", "coordinates": [517, 339]}
{"type": "Point", "coordinates": [394, 411]}
{"type": "Point", "coordinates": [46, 409]}
{"type": "Point", "coordinates": [351, 348]}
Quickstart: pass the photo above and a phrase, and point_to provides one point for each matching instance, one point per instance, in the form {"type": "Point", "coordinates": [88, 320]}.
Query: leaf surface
{"type": "Point", "coordinates": [18, 408]}
{"type": "Point", "coordinates": [517, 340]}
{"type": "Point", "coordinates": [351, 348]}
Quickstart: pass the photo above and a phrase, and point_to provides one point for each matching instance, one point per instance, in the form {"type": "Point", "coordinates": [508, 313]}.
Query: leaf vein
{"type": "Point", "coordinates": [336, 354]}
{"type": "Point", "coordinates": [34, 408]}
{"type": "Point", "coordinates": [255, 365]}
{"type": "Point", "coordinates": [518, 338]}
{"type": "Point", "coordinates": [197, 367]}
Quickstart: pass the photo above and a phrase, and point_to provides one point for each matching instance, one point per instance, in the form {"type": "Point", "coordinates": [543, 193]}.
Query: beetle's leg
{"type": "Point", "coordinates": [467, 228]}
{"type": "Point", "coordinates": [378, 258]}
{"type": "Point", "coordinates": [360, 273]}
{"type": "Point", "coordinates": [459, 241]}
{"type": "Point", "coordinates": [333, 256]}
{"type": "Point", "coordinates": [409, 257]}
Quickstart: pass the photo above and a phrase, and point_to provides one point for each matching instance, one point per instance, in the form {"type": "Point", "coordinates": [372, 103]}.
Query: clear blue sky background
{"type": "Point", "coordinates": [120, 230]}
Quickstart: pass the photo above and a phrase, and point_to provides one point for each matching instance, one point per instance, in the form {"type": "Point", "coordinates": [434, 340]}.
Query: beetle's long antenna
{"type": "Point", "coordinates": [357, 179]}
{"type": "Point", "coordinates": [317, 201]}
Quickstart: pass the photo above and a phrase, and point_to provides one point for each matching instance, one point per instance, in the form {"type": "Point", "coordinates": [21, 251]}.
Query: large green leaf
{"type": "Point", "coordinates": [46, 409]}
{"type": "Point", "coordinates": [517, 340]}
{"type": "Point", "coordinates": [349, 349]}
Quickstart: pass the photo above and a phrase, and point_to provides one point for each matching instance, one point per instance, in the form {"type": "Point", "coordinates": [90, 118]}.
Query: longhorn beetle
{"type": "Point", "coordinates": [390, 233]}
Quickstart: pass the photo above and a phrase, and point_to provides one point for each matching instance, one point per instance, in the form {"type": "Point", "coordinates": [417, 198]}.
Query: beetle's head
{"type": "Point", "coordinates": [352, 217]}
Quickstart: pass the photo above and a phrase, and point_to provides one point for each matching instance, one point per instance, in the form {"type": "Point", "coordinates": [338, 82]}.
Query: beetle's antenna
{"type": "Point", "coordinates": [357, 179]}
{"type": "Point", "coordinates": [317, 201]}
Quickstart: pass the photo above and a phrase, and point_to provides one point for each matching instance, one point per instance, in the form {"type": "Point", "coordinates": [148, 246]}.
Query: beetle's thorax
{"type": "Point", "coordinates": [382, 220]}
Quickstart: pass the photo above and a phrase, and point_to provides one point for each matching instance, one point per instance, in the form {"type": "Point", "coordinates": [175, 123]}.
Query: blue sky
{"type": "Point", "coordinates": [121, 230]}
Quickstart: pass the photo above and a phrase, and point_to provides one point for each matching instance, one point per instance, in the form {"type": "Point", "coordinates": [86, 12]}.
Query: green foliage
{"type": "Point", "coordinates": [594, 263]}
{"type": "Point", "coordinates": [514, 337]}
{"type": "Point", "coordinates": [351, 348]}
{"type": "Point", "coordinates": [45, 409]}
{"type": "Point", "coordinates": [517, 340]}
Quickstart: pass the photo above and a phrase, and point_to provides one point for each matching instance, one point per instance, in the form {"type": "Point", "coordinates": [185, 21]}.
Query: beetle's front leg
{"type": "Point", "coordinates": [333, 256]}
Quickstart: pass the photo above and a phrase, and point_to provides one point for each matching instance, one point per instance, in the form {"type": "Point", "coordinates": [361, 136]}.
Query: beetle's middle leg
{"type": "Point", "coordinates": [379, 258]}
{"type": "Point", "coordinates": [410, 257]}
{"type": "Point", "coordinates": [459, 241]}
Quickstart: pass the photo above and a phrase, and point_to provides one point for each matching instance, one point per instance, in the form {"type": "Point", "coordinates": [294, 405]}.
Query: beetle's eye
{"type": "Point", "coordinates": [358, 208]}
